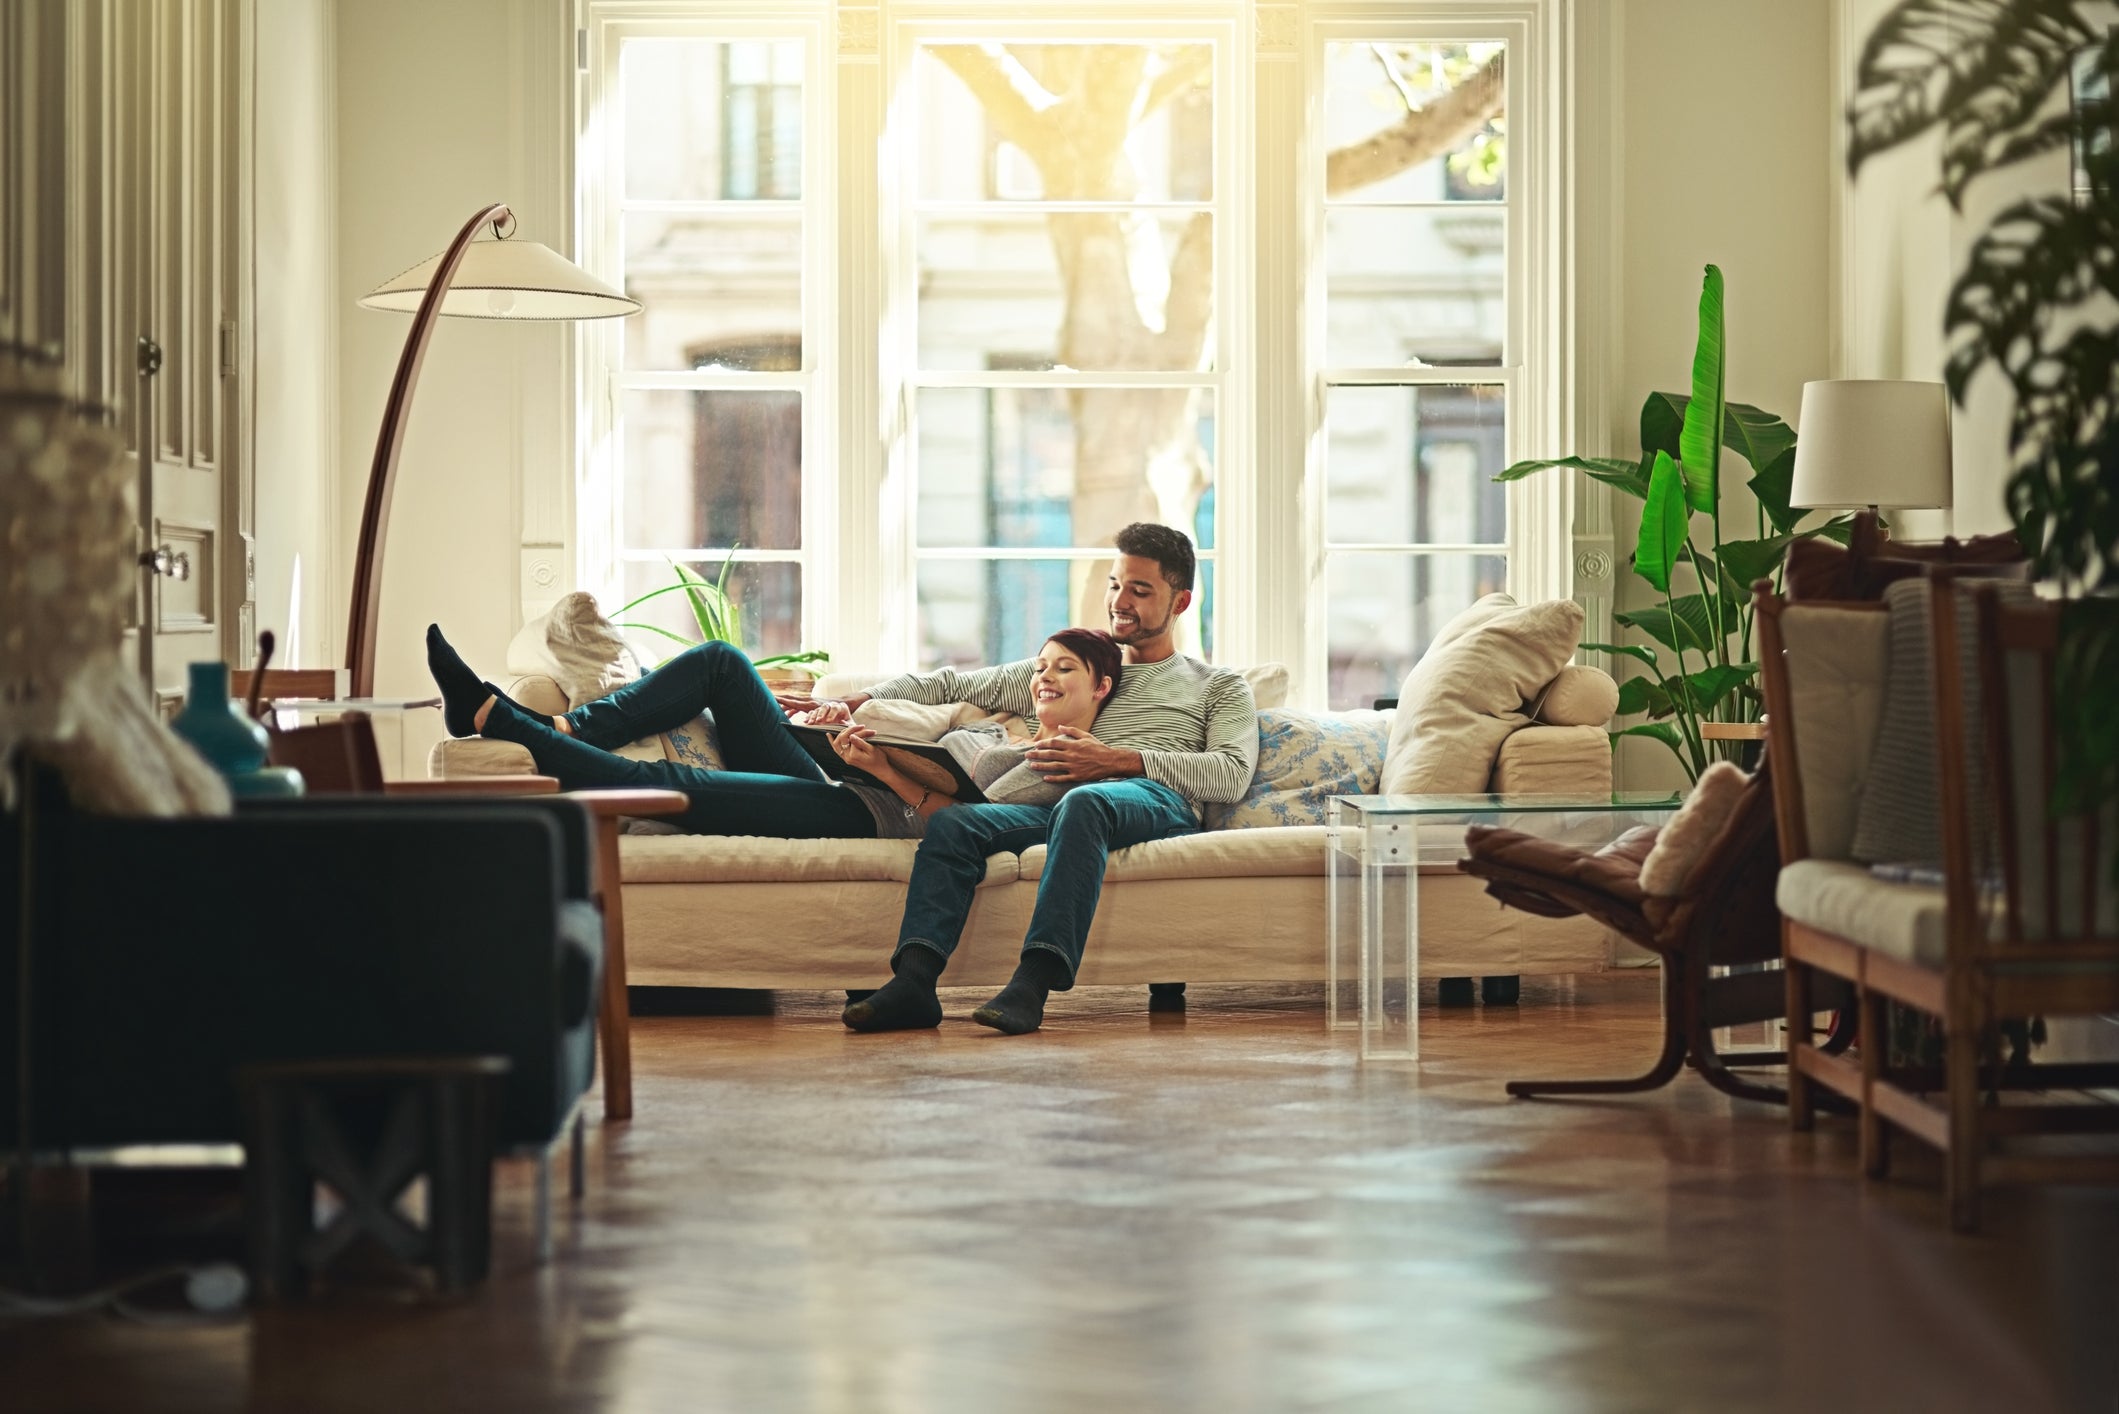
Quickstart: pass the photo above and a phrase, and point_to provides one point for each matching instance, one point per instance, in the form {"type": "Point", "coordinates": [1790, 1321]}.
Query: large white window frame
{"type": "Point", "coordinates": [859, 494]}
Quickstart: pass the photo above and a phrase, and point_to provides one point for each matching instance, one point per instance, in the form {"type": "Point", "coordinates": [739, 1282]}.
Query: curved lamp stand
{"type": "Point", "coordinates": [512, 280]}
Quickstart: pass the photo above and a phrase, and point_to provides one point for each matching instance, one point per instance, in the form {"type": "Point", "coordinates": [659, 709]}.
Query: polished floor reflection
{"type": "Point", "coordinates": [1213, 1210]}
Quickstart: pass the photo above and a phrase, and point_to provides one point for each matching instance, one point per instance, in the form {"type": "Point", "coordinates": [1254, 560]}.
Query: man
{"type": "Point", "coordinates": [1175, 734]}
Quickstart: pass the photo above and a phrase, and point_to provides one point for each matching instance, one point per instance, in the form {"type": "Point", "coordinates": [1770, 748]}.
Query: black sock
{"type": "Point", "coordinates": [462, 694]}
{"type": "Point", "coordinates": [1020, 1007]}
{"type": "Point", "coordinates": [907, 1001]}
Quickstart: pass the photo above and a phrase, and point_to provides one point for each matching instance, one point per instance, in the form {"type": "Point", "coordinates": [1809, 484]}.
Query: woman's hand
{"type": "Point", "coordinates": [855, 749]}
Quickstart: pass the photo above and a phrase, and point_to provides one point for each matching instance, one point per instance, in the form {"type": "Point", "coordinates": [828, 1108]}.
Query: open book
{"type": "Point", "coordinates": [929, 763]}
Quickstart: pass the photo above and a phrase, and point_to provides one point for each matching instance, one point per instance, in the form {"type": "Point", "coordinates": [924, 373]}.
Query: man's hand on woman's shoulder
{"type": "Point", "coordinates": [1071, 756]}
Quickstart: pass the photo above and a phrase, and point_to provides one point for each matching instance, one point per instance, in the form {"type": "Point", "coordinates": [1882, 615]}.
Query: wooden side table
{"type": "Point", "coordinates": [608, 806]}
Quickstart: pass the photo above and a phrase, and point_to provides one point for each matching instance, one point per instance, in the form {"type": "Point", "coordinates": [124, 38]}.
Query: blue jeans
{"type": "Point", "coordinates": [1088, 823]}
{"type": "Point", "coordinates": [771, 787]}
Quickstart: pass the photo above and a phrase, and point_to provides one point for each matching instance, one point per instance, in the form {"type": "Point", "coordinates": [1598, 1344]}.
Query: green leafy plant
{"type": "Point", "coordinates": [714, 609]}
{"type": "Point", "coordinates": [2034, 301]}
{"type": "Point", "coordinates": [1704, 621]}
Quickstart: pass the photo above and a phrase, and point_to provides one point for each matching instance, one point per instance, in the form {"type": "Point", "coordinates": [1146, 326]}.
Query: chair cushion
{"type": "Point", "coordinates": [1904, 921]}
{"type": "Point", "coordinates": [1696, 826]}
{"type": "Point", "coordinates": [1899, 820]}
{"type": "Point", "coordinates": [1304, 759]}
{"type": "Point", "coordinates": [1466, 694]}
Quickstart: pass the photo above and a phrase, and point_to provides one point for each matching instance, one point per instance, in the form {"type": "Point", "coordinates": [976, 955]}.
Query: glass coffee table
{"type": "Point", "coordinates": [1379, 845]}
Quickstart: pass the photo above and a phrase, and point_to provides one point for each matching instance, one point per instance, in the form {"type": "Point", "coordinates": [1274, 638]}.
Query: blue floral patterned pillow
{"type": "Point", "coordinates": [1304, 759]}
{"type": "Point", "coordinates": [695, 744]}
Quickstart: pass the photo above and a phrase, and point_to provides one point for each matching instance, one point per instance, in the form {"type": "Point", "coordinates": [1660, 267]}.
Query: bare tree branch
{"type": "Point", "coordinates": [1392, 77]}
{"type": "Point", "coordinates": [1014, 100]}
{"type": "Point", "coordinates": [1193, 61]}
{"type": "Point", "coordinates": [1440, 127]}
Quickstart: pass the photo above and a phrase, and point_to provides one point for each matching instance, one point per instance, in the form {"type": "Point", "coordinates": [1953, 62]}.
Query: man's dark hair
{"type": "Point", "coordinates": [1098, 650]}
{"type": "Point", "coordinates": [1172, 549]}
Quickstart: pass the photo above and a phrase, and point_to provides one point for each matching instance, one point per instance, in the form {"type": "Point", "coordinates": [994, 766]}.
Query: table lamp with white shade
{"type": "Point", "coordinates": [1872, 443]}
{"type": "Point", "coordinates": [481, 279]}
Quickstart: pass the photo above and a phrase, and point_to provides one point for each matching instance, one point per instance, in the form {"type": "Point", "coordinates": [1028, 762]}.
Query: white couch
{"type": "Point", "coordinates": [1225, 905]}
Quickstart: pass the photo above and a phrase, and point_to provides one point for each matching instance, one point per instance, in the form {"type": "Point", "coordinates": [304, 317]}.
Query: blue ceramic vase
{"type": "Point", "coordinates": [216, 727]}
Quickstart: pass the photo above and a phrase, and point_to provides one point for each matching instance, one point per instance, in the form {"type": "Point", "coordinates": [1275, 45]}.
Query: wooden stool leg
{"type": "Point", "coordinates": [460, 1179]}
{"type": "Point", "coordinates": [278, 1191]}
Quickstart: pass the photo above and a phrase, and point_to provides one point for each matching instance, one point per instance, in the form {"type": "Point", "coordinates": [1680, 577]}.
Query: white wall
{"type": "Point", "coordinates": [428, 133]}
{"type": "Point", "coordinates": [296, 336]}
{"type": "Point", "coordinates": [1899, 247]}
{"type": "Point", "coordinates": [1723, 160]}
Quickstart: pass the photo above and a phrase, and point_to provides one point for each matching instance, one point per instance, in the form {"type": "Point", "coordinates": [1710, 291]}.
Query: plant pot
{"type": "Point", "coordinates": [799, 680]}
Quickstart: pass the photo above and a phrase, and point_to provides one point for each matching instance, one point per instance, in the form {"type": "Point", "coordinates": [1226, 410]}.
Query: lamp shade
{"type": "Point", "coordinates": [1872, 442]}
{"type": "Point", "coordinates": [507, 279]}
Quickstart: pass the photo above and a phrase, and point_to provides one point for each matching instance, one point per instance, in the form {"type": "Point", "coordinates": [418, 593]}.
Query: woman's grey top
{"type": "Point", "coordinates": [989, 757]}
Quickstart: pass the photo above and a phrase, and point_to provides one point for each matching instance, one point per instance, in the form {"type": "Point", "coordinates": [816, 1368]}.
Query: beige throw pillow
{"type": "Point", "coordinates": [587, 650]}
{"type": "Point", "coordinates": [1466, 694]}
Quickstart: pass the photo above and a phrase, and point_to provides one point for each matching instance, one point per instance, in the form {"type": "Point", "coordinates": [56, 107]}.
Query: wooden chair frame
{"type": "Point", "coordinates": [1984, 979]}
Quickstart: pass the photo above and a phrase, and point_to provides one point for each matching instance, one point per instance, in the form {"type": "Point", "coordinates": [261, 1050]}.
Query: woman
{"type": "Point", "coordinates": [1073, 674]}
{"type": "Point", "coordinates": [769, 785]}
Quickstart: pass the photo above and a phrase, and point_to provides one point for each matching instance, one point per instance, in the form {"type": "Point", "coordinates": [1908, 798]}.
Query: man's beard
{"type": "Point", "coordinates": [1142, 629]}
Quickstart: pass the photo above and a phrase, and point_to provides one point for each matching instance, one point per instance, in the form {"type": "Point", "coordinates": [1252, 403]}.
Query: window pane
{"type": "Point", "coordinates": [706, 119]}
{"type": "Point", "coordinates": [1376, 97]}
{"type": "Point", "coordinates": [1140, 289]}
{"type": "Point", "coordinates": [1415, 466]}
{"type": "Point", "coordinates": [712, 468]}
{"type": "Point", "coordinates": [1383, 611]}
{"type": "Point", "coordinates": [1414, 285]}
{"type": "Point", "coordinates": [1119, 122]}
{"type": "Point", "coordinates": [717, 291]}
{"type": "Point", "coordinates": [1019, 468]}
{"type": "Point", "coordinates": [766, 598]}
{"type": "Point", "coordinates": [977, 612]}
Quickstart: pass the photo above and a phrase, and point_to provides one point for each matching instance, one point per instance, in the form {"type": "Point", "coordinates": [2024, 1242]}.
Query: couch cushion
{"type": "Point", "coordinates": [1466, 694]}
{"type": "Point", "coordinates": [1904, 921]}
{"type": "Point", "coordinates": [1289, 851]}
{"type": "Point", "coordinates": [1304, 759]}
{"type": "Point", "coordinates": [1554, 761]}
{"type": "Point", "coordinates": [752, 859]}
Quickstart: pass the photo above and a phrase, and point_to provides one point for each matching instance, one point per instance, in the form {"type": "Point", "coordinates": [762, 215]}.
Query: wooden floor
{"type": "Point", "coordinates": [1216, 1210]}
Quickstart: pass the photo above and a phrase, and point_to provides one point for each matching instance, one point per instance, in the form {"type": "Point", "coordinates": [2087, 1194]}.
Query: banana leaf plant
{"type": "Point", "coordinates": [2006, 81]}
{"type": "Point", "coordinates": [1700, 668]}
{"type": "Point", "coordinates": [714, 609]}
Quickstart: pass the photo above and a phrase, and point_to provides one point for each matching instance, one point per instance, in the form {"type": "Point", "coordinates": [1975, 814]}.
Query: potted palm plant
{"type": "Point", "coordinates": [1698, 690]}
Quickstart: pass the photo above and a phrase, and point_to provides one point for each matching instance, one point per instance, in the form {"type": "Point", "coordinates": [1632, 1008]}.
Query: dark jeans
{"type": "Point", "coordinates": [771, 786]}
{"type": "Point", "coordinates": [1088, 823]}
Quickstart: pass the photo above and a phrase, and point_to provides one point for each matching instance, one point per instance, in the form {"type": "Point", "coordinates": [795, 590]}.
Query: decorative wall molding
{"type": "Point", "coordinates": [860, 31]}
{"type": "Point", "coordinates": [1275, 30]}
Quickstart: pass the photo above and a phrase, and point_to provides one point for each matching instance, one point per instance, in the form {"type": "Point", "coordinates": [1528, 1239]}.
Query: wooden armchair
{"type": "Point", "coordinates": [2024, 924]}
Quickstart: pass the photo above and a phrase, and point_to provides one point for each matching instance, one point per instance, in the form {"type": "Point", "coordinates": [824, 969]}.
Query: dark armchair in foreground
{"type": "Point", "coordinates": [169, 952]}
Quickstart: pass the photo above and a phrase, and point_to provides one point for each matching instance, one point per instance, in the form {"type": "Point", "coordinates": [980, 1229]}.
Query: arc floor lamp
{"type": "Point", "coordinates": [499, 278]}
